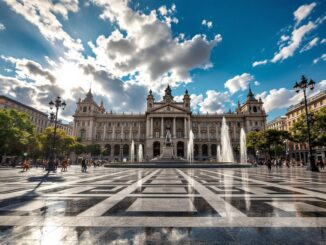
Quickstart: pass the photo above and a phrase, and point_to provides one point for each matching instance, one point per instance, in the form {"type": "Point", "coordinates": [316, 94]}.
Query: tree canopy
{"type": "Point", "coordinates": [299, 130]}
{"type": "Point", "coordinates": [16, 132]}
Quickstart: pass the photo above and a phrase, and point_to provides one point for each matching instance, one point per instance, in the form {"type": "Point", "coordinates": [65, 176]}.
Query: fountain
{"type": "Point", "coordinates": [218, 154]}
{"type": "Point", "coordinates": [132, 153]}
{"type": "Point", "coordinates": [140, 153]}
{"type": "Point", "coordinates": [190, 147]}
{"type": "Point", "coordinates": [227, 153]}
{"type": "Point", "coordinates": [243, 146]}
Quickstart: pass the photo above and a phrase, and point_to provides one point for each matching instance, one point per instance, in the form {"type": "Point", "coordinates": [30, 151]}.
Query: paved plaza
{"type": "Point", "coordinates": [162, 206]}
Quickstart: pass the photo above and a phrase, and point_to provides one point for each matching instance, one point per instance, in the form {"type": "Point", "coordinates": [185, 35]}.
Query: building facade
{"type": "Point", "coordinates": [67, 127]}
{"type": "Point", "coordinates": [115, 132]}
{"type": "Point", "coordinates": [38, 118]}
{"type": "Point", "coordinates": [278, 123]}
{"type": "Point", "coordinates": [294, 113]}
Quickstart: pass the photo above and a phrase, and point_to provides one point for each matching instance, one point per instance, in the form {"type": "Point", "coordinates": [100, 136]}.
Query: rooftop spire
{"type": "Point", "coordinates": [250, 94]}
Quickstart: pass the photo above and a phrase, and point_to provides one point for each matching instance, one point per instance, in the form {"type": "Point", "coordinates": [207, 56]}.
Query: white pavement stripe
{"type": "Point", "coordinates": [289, 188]}
{"type": "Point", "coordinates": [102, 207]}
{"type": "Point", "coordinates": [48, 187]}
{"type": "Point", "coordinates": [222, 207]}
{"type": "Point", "coordinates": [145, 221]}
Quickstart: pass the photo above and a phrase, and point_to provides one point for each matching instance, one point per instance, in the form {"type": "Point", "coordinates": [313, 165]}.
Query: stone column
{"type": "Point", "coordinates": [174, 128]}
{"type": "Point", "coordinates": [185, 127]}
{"type": "Point", "coordinates": [216, 129]}
{"type": "Point", "coordinates": [162, 127]}
{"type": "Point", "coordinates": [151, 132]}
{"type": "Point", "coordinates": [199, 132]}
{"type": "Point", "coordinates": [130, 131]}
{"type": "Point", "coordinates": [90, 135]}
{"type": "Point", "coordinates": [122, 132]}
{"type": "Point", "coordinates": [139, 131]}
{"type": "Point", "coordinates": [209, 150]}
{"type": "Point", "coordinates": [104, 133]}
{"type": "Point", "coordinates": [113, 132]}
{"type": "Point", "coordinates": [208, 133]}
{"type": "Point", "coordinates": [147, 128]}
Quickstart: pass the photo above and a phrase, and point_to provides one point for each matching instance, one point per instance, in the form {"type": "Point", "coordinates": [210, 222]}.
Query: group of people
{"type": "Point", "coordinates": [89, 162]}
{"type": "Point", "coordinates": [64, 163]}
{"type": "Point", "coordinates": [278, 163]}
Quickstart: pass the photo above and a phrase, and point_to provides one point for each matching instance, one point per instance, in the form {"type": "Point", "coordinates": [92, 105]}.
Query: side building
{"type": "Point", "coordinates": [40, 119]}
{"type": "Point", "coordinates": [293, 114]}
{"type": "Point", "coordinates": [115, 132]}
{"type": "Point", "coordinates": [278, 123]}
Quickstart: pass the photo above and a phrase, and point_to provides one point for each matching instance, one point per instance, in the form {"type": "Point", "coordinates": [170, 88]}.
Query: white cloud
{"type": "Point", "coordinates": [239, 82]}
{"type": "Point", "coordinates": [296, 38]}
{"type": "Point", "coordinates": [207, 23]}
{"type": "Point", "coordinates": [261, 62]}
{"type": "Point", "coordinates": [303, 12]}
{"type": "Point", "coordinates": [144, 47]}
{"type": "Point", "coordinates": [2, 27]}
{"type": "Point", "coordinates": [42, 15]}
{"type": "Point", "coordinates": [323, 41]}
{"type": "Point", "coordinates": [283, 98]}
{"type": "Point", "coordinates": [214, 102]}
{"type": "Point", "coordinates": [310, 45]}
{"type": "Point", "coordinates": [321, 58]}
{"type": "Point", "coordinates": [284, 38]}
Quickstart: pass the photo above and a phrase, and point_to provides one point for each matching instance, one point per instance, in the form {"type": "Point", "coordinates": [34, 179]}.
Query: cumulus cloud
{"type": "Point", "coordinates": [283, 98]}
{"type": "Point", "coordinates": [214, 102]}
{"type": "Point", "coordinates": [303, 12]}
{"type": "Point", "coordinates": [261, 62]}
{"type": "Point", "coordinates": [2, 27]}
{"type": "Point", "coordinates": [207, 23]}
{"type": "Point", "coordinates": [310, 45]}
{"type": "Point", "coordinates": [239, 82]}
{"type": "Point", "coordinates": [143, 46]}
{"type": "Point", "coordinates": [42, 14]}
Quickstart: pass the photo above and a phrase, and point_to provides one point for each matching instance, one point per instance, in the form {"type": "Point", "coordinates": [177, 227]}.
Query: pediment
{"type": "Point", "coordinates": [168, 108]}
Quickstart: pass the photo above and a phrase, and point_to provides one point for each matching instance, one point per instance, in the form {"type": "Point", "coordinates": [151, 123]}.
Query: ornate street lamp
{"type": "Point", "coordinates": [58, 103]}
{"type": "Point", "coordinates": [303, 85]}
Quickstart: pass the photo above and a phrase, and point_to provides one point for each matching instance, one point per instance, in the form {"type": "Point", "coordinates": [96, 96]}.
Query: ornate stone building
{"type": "Point", "coordinates": [115, 132]}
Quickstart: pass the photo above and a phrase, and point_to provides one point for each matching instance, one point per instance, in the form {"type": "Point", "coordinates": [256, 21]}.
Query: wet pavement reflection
{"type": "Point", "coordinates": [135, 206]}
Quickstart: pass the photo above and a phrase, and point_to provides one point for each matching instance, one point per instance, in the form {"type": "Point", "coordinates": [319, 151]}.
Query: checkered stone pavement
{"type": "Point", "coordinates": [162, 205]}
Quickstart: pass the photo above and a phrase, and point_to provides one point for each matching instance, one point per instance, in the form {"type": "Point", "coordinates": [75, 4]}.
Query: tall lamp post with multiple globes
{"type": "Point", "coordinates": [304, 85]}
{"type": "Point", "coordinates": [57, 104]}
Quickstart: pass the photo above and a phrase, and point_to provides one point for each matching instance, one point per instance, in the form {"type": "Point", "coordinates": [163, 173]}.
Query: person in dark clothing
{"type": "Point", "coordinates": [84, 165]}
{"type": "Point", "coordinates": [269, 164]}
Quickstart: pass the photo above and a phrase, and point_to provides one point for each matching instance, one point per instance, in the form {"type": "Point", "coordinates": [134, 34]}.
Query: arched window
{"type": "Point", "coordinates": [107, 150]}
{"type": "Point", "coordinates": [156, 148]}
{"type": "Point", "coordinates": [125, 150]}
{"type": "Point", "coordinates": [116, 151]}
{"type": "Point", "coordinates": [204, 150]}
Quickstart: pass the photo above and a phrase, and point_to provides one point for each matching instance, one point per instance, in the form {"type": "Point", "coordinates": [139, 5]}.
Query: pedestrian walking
{"type": "Point", "coordinates": [64, 165]}
{"type": "Point", "coordinates": [269, 165]}
{"type": "Point", "coordinates": [84, 165]}
{"type": "Point", "coordinates": [26, 165]}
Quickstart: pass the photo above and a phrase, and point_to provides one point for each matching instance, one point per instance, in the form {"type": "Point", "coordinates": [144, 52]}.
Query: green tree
{"type": "Point", "coordinates": [64, 143]}
{"type": "Point", "coordinates": [16, 132]}
{"type": "Point", "coordinates": [299, 130]}
{"type": "Point", "coordinates": [80, 148]}
{"type": "Point", "coordinates": [93, 149]}
{"type": "Point", "coordinates": [270, 141]}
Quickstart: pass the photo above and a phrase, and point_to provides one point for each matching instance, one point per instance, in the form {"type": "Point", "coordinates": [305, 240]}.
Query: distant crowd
{"type": "Point", "coordinates": [280, 162]}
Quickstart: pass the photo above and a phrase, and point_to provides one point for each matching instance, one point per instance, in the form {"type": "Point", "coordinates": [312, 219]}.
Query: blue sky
{"type": "Point", "coordinates": [121, 49]}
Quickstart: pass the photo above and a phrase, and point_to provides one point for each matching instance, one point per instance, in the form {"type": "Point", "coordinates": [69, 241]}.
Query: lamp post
{"type": "Point", "coordinates": [303, 85]}
{"type": "Point", "coordinates": [57, 104]}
